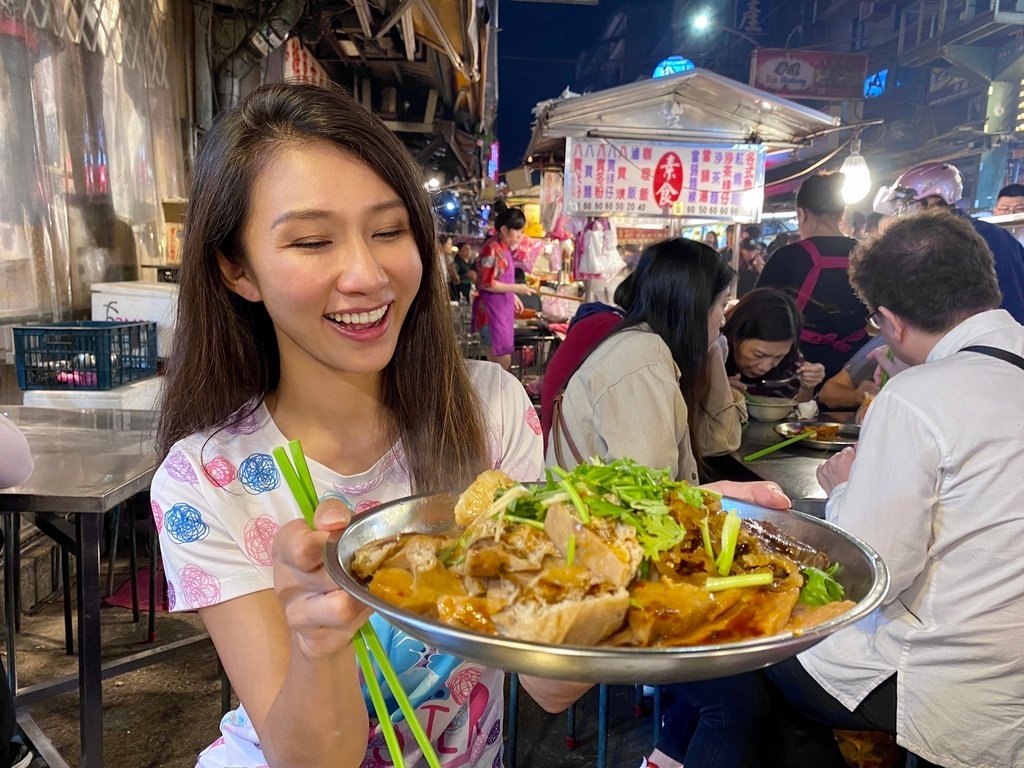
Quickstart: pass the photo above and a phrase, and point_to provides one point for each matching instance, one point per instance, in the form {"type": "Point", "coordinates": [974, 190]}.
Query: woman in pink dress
{"type": "Point", "coordinates": [496, 304]}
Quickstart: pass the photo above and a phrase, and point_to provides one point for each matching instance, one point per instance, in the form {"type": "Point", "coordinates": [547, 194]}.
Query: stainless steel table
{"type": "Point", "coordinates": [794, 468]}
{"type": "Point", "coordinates": [86, 463]}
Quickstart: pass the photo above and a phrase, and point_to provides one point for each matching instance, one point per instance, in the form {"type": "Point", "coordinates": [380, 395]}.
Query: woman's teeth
{"type": "Point", "coordinates": [359, 318]}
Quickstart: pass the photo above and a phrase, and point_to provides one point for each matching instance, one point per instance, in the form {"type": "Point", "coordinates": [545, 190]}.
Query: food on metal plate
{"type": "Point", "coordinates": [612, 554]}
{"type": "Point", "coordinates": [822, 432]}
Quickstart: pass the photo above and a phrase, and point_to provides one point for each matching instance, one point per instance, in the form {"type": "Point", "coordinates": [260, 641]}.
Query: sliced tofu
{"type": "Point", "coordinates": [611, 558]}
{"type": "Point", "coordinates": [478, 497]}
{"type": "Point", "coordinates": [571, 622]}
{"type": "Point", "coordinates": [417, 553]}
{"type": "Point", "coordinates": [369, 557]}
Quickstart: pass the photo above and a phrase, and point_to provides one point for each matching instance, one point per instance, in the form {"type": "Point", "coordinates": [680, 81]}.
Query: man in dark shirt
{"type": "Point", "coordinates": [814, 271]}
{"type": "Point", "coordinates": [751, 265]}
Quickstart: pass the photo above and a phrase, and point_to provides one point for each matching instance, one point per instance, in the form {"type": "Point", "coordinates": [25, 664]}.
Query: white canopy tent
{"type": "Point", "coordinates": [694, 106]}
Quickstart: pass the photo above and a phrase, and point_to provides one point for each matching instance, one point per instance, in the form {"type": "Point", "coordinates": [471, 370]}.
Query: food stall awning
{"type": "Point", "coordinates": [693, 106]}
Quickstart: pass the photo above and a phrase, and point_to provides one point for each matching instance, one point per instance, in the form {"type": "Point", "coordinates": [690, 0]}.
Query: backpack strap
{"type": "Point", "coordinates": [559, 431]}
{"type": "Point", "coordinates": [996, 352]}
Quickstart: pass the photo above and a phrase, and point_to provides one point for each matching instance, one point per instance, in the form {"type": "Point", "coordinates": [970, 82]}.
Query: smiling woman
{"type": "Point", "coordinates": [312, 308]}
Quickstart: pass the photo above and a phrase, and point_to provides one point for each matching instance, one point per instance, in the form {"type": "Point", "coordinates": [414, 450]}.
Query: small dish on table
{"type": "Point", "coordinates": [829, 435]}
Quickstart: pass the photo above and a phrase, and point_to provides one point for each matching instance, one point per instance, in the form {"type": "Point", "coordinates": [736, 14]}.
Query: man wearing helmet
{"type": "Point", "coordinates": [940, 185]}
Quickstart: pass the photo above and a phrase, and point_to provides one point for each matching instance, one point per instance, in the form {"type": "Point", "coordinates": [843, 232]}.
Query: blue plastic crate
{"type": "Point", "coordinates": [87, 354]}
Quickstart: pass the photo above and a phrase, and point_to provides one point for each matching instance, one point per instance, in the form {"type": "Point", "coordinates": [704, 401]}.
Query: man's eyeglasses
{"type": "Point", "coordinates": [1004, 209]}
{"type": "Point", "coordinates": [873, 326]}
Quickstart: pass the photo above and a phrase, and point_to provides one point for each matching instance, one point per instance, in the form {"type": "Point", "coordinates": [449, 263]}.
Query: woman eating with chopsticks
{"type": "Point", "coordinates": [312, 307]}
{"type": "Point", "coordinates": [763, 333]}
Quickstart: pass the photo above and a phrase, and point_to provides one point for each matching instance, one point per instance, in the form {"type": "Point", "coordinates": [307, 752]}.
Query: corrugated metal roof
{"type": "Point", "coordinates": [693, 106]}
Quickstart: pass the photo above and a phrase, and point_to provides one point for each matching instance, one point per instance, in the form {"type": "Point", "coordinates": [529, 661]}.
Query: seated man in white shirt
{"type": "Point", "coordinates": [935, 487]}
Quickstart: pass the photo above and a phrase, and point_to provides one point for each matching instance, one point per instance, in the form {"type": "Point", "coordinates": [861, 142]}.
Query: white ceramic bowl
{"type": "Point", "coordinates": [769, 408]}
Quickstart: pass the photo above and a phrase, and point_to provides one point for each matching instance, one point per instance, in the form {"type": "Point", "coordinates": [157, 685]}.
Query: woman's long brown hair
{"type": "Point", "coordinates": [225, 357]}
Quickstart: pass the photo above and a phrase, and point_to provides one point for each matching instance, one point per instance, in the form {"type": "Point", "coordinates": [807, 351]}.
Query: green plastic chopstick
{"type": "Point", "coordinates": [773, 448]}
{"type": "Point", "coordinates": [304, 494]}
{"type": "Point", "coordinates": [300, 483]}
{"type": "Point", "coordinates": [373, 642]}
{"type": "Point", "coordinates": [377, 697]}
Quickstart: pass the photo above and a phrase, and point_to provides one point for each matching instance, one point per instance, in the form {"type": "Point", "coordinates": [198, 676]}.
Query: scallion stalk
{"type": "Point", "coordinates": [759, 579]}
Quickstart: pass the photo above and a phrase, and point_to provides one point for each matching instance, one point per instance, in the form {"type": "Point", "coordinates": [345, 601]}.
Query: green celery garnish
{"type": "Point", "coordinates": [730, 535]}
{"type": "Point", "coordinates": [705, 534]}
{"type": "Point", "coordinates": [525, 521]}
{"type": "Point", "coordinates": [820, 587]}
{"type": "Point", "coordinates": [570, 547]}
{"type": "Point", "coordinates": [718, 583]}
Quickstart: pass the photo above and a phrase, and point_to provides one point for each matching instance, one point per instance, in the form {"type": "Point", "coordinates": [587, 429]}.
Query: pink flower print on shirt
{"type": "Point", "coordinates": [158, 515]}
{"type": "Point", "coordinates": [478, 701]}
{"type": "Point", "coordinates": [179, 468]}
{"type": "Point", "coordinates": [199, 588]}
{"type": "Point", "coordinates": [220, 471]}
{"type": "Point", "coordinates": [461, 683]}
{"type": "Point", "coordinates": [532, 419]}
{"type": "Point", "coordinates": [259, 540]}
{"type": "Point", "coordinates": [366, 506]}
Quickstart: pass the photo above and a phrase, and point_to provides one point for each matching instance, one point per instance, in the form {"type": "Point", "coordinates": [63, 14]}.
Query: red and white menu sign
{"type": "Point", "coordinates": [300, 66]}
{"type": "Point", "coordinates": [638, 178]}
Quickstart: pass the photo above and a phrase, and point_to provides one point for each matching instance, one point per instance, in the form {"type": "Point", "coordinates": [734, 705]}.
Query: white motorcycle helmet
{"type": "Point", "coordinates": [938, 179]}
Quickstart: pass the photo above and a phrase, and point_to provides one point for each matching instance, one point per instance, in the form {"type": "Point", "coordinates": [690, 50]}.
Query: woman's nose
{"type": "Point", "coordinates": [359, 271]}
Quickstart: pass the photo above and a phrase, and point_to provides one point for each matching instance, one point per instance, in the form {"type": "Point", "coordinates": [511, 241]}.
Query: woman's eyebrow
{"type": "Point", "coordinates": [306, 214]}
{"type": "Point", "coordinates": [317, 214]}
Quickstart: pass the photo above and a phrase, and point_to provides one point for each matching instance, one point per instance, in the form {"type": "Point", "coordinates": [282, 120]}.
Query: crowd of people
{"type": "Point", "coordinates": [313, 300]}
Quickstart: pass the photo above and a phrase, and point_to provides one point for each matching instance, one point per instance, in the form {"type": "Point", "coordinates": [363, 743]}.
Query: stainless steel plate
{"type": "Point", "coordinates": [848, 434]}
{"type": "Point", "coordinates": [864, 576]}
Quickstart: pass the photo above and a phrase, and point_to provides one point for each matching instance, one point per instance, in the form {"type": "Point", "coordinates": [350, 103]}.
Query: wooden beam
{"type": "Point", "coordinates": [327, 32]}
{"type": "Point", "coordinates": [399, 126]}
{"type": "Point", "coordinates": [409, 35]}
{"type": "Point", "coordinates": [394, 18]}
{"type": "Point", "coordinates": [430, 111]}
{"type": "Point", "coordinates": [363, 12]}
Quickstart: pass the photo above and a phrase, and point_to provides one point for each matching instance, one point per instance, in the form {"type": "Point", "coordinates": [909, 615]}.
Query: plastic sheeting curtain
{"type": "Point", "coordinates": [90, 143]}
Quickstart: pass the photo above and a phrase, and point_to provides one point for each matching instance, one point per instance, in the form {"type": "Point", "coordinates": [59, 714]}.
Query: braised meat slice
{"type": "Point", "coordinates": [777, 541]}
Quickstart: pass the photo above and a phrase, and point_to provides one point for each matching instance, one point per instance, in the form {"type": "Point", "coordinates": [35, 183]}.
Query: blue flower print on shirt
{"type": "Point", "coordinates": [259, 474]}
{"type": "Point", "coordinates": [184, 524]}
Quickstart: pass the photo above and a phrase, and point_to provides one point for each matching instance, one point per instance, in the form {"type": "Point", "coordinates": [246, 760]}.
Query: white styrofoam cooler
{"type": "Point", "coordinates": [140, 395]}
{"type": "Point", "coordinates": [131, 302]}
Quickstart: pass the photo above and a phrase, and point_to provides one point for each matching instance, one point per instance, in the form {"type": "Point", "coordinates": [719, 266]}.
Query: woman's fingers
{"type": "Point", "coordinates": [332, 515]}
{"type": "Point", "coordinates": [335, 610]}
{"type": "Point", "coordinates": [762, 492]}
{"type": "Point", "coordinates": [811, 374]}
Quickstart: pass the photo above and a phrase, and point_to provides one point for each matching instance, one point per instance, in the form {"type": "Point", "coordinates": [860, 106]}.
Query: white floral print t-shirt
{"type": "Point", "coordinates": [218, 501]}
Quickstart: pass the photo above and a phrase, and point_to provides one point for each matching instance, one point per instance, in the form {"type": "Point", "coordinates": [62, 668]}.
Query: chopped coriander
{"type": "Point", "coordinates": [820, 587]}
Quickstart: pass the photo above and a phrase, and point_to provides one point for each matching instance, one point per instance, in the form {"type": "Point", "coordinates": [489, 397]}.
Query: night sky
{"type": "Point", "coordinates": [538, 46]}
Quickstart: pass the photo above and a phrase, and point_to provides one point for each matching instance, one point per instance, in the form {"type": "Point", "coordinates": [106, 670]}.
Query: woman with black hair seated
{"type": "Point", "coordinates": [763, 332]}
